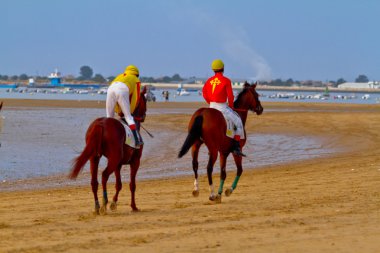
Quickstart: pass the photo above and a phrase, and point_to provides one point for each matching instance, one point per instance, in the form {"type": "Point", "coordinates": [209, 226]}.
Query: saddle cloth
{"type": "Point", "coordinates": [129, 139]}
{"type": "Point", "coordinates": [231, 128]}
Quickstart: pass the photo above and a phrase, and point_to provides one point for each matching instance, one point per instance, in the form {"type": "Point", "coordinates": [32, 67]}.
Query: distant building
{"type": "Point", "coordinates": [55, 78]}
{"type": "Point", "coordinates": [369, 85]}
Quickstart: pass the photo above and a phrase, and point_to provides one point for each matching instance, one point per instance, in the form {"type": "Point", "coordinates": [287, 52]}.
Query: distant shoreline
{"type": "Point", "coordinates": [237, 87]}
{"type": "Point", "coordinates": [266, 87]}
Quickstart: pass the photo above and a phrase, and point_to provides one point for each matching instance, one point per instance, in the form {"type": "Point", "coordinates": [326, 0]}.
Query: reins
{"type": "Point", "coordinates": [240, 110]}
{"type": "Point", "coordinates": [138, 118]}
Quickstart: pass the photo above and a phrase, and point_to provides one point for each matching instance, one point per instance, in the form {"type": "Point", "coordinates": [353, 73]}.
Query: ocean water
{"type": "Point", "coordinates": [195, 96]}
{"type": "Point", "coordinates": [43, 142]}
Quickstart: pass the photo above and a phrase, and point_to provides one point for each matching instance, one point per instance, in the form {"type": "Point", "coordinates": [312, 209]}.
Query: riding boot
{"type": "Point", "coordinates": [137, 138]}
{"type": "Point", "coordinates": [123, 120]}
{"type": "Point", "coordinates": [236, 148]}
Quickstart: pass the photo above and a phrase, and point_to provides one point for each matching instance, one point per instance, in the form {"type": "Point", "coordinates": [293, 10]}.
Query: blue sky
{"type": "Point", "coordinates": [257, 39]}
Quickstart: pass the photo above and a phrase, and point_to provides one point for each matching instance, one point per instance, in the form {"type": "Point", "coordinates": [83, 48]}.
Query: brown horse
{"type": "Point", "coordinates": [208, 126]}
{"type": "Point", "coordinates": [106, 137]}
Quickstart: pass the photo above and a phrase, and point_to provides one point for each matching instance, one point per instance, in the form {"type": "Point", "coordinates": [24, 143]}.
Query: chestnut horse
{"type": "Point", "coordinates": [106, 137]}
{"type": "Point", "coordinates": [208, 126]}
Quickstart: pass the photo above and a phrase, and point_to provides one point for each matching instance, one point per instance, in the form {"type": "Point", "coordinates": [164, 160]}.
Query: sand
{"type": "Point", "coordinates": [329, 204]}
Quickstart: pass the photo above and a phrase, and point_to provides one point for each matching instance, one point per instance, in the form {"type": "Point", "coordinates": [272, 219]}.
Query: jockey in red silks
{"type": "Point", "coordinates": [216, 91]}
{"type": "Point", "coordinates": [123, 96]}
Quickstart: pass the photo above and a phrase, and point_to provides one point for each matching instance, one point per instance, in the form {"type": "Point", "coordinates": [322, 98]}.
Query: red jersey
{"type": "Point", "coordinates": [218, 89]}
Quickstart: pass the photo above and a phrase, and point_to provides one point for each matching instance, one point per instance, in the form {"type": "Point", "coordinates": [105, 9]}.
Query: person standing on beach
{"type": "Point", "coordinates": [216, 91]}
{"type": "Point", "coordinates": [123, 96]}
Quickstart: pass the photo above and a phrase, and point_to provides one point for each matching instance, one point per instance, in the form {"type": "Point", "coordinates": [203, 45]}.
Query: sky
{"type": "Point", "coordinates": [256, 39]}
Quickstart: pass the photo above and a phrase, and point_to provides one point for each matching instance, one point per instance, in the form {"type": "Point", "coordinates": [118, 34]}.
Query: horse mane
{"type": "Point", "coordinates": [241, 93]}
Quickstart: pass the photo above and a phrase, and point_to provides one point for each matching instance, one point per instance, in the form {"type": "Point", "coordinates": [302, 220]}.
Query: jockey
{"type": "Point", "coordinates": [123, 96]}
{"type": "Point", "coordinates": [216, 91]}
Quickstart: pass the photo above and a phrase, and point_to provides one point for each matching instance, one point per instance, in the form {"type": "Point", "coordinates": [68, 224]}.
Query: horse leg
{"type": "Point", "coordinates": [223, 175]}
{"type": "Point", "coordinates": [94, 163]}
{"type": "Point", "coordinates": [118, 187]}
{"type": "Point", "coordinates": [132, 185]}
{"type": "Point", "coordinates": [105, 175]}
{"type": "Point", "coordinates": [238, 162]}
{"type": "Point", "coordinates": [213, 155]}
{"type": "Point", "coordinates": [194, 154]}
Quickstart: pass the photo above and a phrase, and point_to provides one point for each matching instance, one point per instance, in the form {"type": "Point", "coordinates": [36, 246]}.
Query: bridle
{"type": "Point", "coordinates": [139, 118]}
{"type": "Point", "coordinates": [251, 108]}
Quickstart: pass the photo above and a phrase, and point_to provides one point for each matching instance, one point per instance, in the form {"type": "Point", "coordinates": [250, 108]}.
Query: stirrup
{"type": "Point", "coordinates": [238, 152]}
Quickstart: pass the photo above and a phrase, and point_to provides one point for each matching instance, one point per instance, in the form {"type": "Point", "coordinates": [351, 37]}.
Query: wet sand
{"type": "Point", "coordinates": [329, 204]}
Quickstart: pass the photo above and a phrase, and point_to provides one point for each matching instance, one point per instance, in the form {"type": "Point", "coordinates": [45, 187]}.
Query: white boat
{"type": "Point", "coordinates": [366, 96]}
{"type": "Point", "coordinates": [68, 91]}
{"type": "Point", "coordinates": [183, 92]}
{"type": "Point", "coordinates": [285, 95]}
{"type": "Point", "coordinates": [103, 91]}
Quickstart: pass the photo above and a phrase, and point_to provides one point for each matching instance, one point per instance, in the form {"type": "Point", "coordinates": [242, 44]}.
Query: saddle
{"type": "Point", "coordinates": [129, 139]}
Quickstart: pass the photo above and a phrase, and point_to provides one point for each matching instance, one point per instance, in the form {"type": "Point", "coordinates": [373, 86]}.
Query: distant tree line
{"type": "Point", "coordinates": [87, 74]}
{"type": "Point", "coordinates": [291, 82]}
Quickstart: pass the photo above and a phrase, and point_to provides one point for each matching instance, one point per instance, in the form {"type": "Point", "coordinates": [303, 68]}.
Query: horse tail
{"type": "Point", "coordinates": [194, 133]}
{"type": "Point", "coordinates": [93, 147]}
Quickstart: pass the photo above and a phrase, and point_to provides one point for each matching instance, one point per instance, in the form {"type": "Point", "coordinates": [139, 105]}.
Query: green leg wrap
{"type": "Point", "coordinates": [220, 190]}
{"type": "Point", "coordinates": [234, 184]}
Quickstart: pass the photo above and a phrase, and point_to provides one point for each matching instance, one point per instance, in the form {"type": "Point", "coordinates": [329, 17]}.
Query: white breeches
{"type": "Point", "coordinates": [118, 93]}
{"type": "Point", "coordinates": [230, 115]}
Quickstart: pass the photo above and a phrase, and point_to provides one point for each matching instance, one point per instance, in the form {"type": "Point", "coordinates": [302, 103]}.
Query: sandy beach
{"type": "Point", "coordinates": [329, 204]}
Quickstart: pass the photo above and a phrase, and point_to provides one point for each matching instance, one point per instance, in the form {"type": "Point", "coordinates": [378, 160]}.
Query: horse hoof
{"type": "Point", "coordinates": [96, 212]}
{"type": "Point", "coordinates": [218, 199]}
{"type": "Point", "coordinates": [103, 210]}
{"type": "Point", "coordinates": [212, 198]}
{"type": "Point", "coordinates": [135, 209]}
{"type": "Point", "coordinates": [228, 192]}
{"type": "Point", "coordinates": [113, 206]}
{"type": "Point", "coordinates": [195, 193]}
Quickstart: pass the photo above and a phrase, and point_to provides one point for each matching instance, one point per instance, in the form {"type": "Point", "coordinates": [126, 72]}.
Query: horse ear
{"type": "Point", "coordinates": [254, 85]}
{"type": "Point", "coordinates": [246, 84]}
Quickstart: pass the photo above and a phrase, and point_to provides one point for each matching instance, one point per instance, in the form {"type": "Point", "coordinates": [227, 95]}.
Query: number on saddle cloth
{"type": "Point", "coordinates": [129, 139]}
{"type": "Point", "coordinates": [231, 128]}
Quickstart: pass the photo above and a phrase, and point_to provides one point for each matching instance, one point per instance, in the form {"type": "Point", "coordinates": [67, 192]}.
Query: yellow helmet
{"type": "Point", "coordinates": [217, 64]}
{"type": "Point", "coordinates": [132, 70]}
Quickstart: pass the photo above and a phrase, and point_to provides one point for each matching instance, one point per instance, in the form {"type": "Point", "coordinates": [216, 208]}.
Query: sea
{"type": "Point", "coordinates": [42, 142]}
{"type": "Point", "coordinates": [195, 95]}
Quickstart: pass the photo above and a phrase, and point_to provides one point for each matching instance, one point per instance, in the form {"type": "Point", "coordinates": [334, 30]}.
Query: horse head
{"type": "Point", "coordinates": [248, 99]}
{"type": "Point", "coordinates": [140, 111]}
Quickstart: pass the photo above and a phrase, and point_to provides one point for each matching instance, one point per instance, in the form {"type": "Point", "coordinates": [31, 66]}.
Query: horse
{"type": "Point", "coordinates": [106, 137]}
{"type": "Point", "coordinates": [208, 126]}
